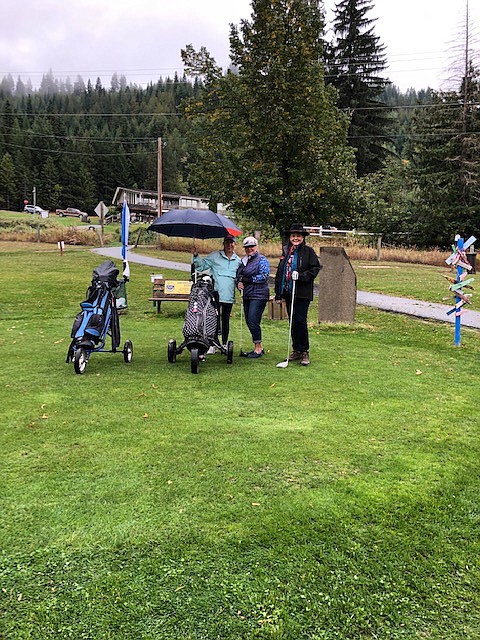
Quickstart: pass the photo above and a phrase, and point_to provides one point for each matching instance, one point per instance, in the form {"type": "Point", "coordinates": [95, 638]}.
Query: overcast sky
{"type": "Point", "coordinates": [142, 39]}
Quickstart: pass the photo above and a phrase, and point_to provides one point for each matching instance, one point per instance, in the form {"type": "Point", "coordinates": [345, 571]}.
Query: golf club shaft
{"type": "Point", "coordinates": [241, 322]}
{"type": "Point", "coordinates": [291, 318]}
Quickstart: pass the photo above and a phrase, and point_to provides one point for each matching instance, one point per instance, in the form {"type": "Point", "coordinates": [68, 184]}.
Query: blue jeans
{"type": "Point", "coordinates": [253, 315]}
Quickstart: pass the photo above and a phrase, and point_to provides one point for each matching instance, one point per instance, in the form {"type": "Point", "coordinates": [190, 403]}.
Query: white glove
{"type": "Point", "coordinates": [294, 275]}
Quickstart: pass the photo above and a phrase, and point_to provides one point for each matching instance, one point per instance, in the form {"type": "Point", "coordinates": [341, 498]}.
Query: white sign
{"type": "Point", "coordinates": [101, 210]}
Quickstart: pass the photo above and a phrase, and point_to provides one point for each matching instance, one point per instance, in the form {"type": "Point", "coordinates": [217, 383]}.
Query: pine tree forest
{"type": "Point", "coordinates": [358, 153]}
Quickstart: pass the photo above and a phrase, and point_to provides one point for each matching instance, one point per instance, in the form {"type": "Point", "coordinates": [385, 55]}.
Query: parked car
{"type": "Point", "coordinates": [73, 213]}
{"type": "Point", "coordinates": [31, 209]}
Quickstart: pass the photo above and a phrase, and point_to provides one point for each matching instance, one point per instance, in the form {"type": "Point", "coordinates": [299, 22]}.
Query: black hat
{"type": "Point", "coordinates": [296, 227]}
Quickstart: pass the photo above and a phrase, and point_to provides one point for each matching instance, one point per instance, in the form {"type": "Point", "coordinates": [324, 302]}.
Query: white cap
{"type": "Point", "coordinates": [250, 241]}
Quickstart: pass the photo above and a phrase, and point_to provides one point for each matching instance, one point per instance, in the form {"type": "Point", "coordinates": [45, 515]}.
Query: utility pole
{"type": "Point", "coordinates": [159, 176]}
{"type": "Point", "coordinates": [34, 193]}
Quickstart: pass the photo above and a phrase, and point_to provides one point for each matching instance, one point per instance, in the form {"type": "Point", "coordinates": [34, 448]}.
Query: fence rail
{"type": "Point", "coordinates": [333, 231]}
{"type": "Point", "coordinates": [324, 232]}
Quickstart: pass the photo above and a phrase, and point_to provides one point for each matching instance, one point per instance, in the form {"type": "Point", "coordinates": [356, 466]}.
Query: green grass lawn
{"type": "Point", "coordinates": [140, 501]}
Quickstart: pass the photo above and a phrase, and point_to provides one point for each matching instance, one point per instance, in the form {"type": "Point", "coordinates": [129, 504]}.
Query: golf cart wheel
{"type": "Point", "coordinates": [128, 351]}
{"type": "Point", "coordinates": [80, 361]}
{"type": "Point", "coordinates": [172, 351]}
{"type": "Point", "coordinates": [229, 352]}
{"type": "Point", "coordinates": [194, 360]}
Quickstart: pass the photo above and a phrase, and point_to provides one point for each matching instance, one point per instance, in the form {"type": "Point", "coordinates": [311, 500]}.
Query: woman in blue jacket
{"type": "Point", "coordinates": [223, 267]}
{"type": "Point", "coordinates": [252, 279]}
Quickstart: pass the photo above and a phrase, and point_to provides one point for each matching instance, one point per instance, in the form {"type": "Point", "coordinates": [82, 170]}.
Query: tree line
{"type": "Point", "coordinates": [298, 128]}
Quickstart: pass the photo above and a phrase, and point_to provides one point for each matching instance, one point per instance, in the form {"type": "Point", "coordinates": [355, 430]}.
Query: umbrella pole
{"type": "Point", "coordinates": [194, 268]}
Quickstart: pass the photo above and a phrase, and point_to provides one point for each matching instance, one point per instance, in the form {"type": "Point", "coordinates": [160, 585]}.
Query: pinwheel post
{"type": "Point", "coordinates": [458, 260]}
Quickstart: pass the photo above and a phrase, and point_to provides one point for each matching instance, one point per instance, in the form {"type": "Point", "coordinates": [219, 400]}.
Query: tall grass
{"type": "Point", "coordinates": [355, 248]}
{"type": "Point", "coordinates": [23, 227]}
{"type": "Point", "coordinates": [19, 227]}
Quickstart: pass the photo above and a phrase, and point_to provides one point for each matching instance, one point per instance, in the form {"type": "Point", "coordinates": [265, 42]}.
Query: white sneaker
{"type": "Point", "coordinates": [211, 351]}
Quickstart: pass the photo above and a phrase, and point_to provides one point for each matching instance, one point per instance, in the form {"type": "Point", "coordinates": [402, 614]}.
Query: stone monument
{"type": "Point", "coordinates": [337, 286]}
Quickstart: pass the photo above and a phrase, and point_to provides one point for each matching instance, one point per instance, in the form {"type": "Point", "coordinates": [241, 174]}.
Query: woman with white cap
{"type": "Point", "coordinates": [252, 281]}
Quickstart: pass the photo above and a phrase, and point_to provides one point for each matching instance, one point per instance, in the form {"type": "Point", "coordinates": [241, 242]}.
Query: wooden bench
{"type": "Point", "coordinates": [164, 290]}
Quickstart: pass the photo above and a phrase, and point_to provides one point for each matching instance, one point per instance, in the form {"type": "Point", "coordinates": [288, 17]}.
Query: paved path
{"type": "Point", "coordinates": [417, 308]}
{"type": "Point", "coordinates": [116, 254]}
{"type": "Point", "coordinates": [407, 306]}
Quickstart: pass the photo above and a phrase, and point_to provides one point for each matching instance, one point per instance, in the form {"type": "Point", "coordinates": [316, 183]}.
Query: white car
{"type": "Point", "coordinates": [31, 209]}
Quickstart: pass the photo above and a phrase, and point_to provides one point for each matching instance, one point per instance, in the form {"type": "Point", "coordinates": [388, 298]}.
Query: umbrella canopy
{"type": "Point", "coordinates": [194, 223]}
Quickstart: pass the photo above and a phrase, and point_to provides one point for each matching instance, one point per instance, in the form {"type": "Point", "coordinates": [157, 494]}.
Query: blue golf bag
{"type": "Point", "coordinates": [98, 319]}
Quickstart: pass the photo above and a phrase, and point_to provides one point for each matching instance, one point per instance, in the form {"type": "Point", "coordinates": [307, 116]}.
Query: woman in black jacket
{"type": "Point", "coordinates": [298, 263]}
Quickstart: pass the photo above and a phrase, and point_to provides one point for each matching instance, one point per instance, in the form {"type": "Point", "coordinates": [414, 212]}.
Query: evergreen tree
{"type": "Point", "coordinates": [50, 183]}
{"type": "Point", "coordinates": [355, 61]}
{"type": "Point", "coordinates": [389, 195]}
{"type": "Point", "coordinates": [8, 188]}
{"type": "Point", "coordinates": [268, 138]}
{"type": "Point", "coordinates": [446, 165]}
{"type": "Point", "coordinates": [7, 86]}
{"type": "Point", "coordinates": [20, 89]}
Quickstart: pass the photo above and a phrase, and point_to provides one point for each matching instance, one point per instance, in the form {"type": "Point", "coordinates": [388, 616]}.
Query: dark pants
{"type": "Point", "coordinates": [299, 322]}
{"type": "Point", "coordinates": [253, 315]}
{"type": "Point", "coordinates": [225, 309]}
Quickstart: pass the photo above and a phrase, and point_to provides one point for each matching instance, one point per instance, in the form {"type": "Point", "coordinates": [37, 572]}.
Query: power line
{"type": "Point", "coordinates": [85, 139]}
{"type": "Point", "coordinates": [82, 153]}
{"type": "Point", "coordinates": [93, 115]}
{"type": "Point", "coordinates": [407, 136]}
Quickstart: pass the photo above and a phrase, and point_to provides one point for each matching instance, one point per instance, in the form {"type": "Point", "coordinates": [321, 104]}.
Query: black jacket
{"type": "Point", "coordinates": [308, 267]}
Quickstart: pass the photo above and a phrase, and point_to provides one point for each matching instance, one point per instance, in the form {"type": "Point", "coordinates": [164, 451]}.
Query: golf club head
{"type": "Point", "coordinates": [283, 365]}
{"type": "Point", "coordinates": [243, 354]}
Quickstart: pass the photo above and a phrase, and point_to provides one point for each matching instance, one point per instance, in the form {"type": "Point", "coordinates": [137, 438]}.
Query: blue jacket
{"type": "Point", "coordinates": [223, 271]}
{"type": "Point", "coordinates": [254, 272]}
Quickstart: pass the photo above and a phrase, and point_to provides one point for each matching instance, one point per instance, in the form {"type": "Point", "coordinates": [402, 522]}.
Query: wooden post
{"type": "Point", "coordinates": [159, 176]}
{"type": "Point", "coordinates": [138, 237]}
{"type": "Point", "coordinates": [379, 247]}
{"type": "Point", "coordinates": [460, 270]}
{"type": "Point", "coordinates": [459, 260]}
{"type": "Point", "coordinates": [34, 193]}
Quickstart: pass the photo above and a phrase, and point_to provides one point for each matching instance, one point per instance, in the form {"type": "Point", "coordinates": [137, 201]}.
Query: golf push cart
{"type": "Point", "coordinates": [98, 319]}
{"type": "Point", "coordinates": [200, 328]}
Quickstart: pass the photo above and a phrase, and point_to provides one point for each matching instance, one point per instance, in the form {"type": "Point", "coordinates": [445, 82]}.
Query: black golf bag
{"type": "Point", "coordinates": [97, 319]}
{"type": "Point", "coordinates": [200, 327]}
{"type": "Point", "coordinates": [201, 316]}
